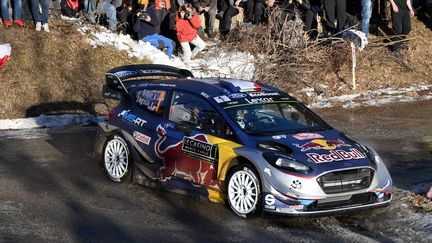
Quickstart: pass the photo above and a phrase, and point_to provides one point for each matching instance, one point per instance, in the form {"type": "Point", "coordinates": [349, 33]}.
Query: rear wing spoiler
{"type": "Point", "coordinates": [120, 79]}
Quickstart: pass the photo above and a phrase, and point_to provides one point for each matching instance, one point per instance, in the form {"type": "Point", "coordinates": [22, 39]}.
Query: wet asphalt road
{"type": "Point", "coordinates": [52, 189]}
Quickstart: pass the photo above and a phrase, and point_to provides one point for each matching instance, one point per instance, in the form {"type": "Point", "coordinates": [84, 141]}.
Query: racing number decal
{"type": "Point", "coordinates": [161, 98]}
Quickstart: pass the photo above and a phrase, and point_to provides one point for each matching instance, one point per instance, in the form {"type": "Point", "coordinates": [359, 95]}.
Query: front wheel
{"type": "Point", "coordinates": [244, 194]}
{"type": "Point", "coordinates": [116, 163]}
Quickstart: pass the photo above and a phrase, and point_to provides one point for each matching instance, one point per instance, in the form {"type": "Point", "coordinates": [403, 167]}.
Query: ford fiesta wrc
{"type": "Point", "coordinates": [241, 142]}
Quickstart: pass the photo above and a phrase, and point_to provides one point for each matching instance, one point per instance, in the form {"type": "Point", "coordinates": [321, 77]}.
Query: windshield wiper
{"type": "Point", "coordinates": [256, 133]}
{"type": "Point", "coordinates": [308, 130]}
{"type": "Point", "coordinates": [303, 130]}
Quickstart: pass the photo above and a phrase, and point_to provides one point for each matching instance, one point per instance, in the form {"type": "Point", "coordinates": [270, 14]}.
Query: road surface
{"type": "Point", "coordinates": [52, 189]}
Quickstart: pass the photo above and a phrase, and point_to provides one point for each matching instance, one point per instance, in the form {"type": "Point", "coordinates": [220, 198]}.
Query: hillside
{"type": "Point", "coordinates": [61, 72]}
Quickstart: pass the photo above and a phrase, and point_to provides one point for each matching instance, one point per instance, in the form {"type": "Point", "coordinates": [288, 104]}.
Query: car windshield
{"type": "Point", "coordinates": [275, 118]}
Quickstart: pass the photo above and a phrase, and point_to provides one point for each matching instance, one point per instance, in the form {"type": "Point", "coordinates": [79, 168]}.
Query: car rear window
{"type": "Point", "coordinates": [152, 100]}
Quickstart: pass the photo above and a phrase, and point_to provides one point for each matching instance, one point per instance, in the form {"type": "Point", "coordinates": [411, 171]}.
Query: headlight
{"type": "Point", "coordinates": [284, 162]}
{"type": "Point", "coordinates": [375, 157]}
{"type": "Point", "coordinates": [289, 164]}
{"type": "Point", "coordinates": [372, 154]}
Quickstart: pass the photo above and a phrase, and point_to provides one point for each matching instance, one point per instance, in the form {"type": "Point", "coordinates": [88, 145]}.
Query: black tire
{"type": "Point", "coordinates": [244, 197]}
{"type": "Point", "coordinates": [116, 159]}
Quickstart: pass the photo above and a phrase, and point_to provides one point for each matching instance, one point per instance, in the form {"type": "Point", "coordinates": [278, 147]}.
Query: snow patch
{"type": "Point", "coordinates": [211, 62]}
{"type": "Point", "coordinates": [376, 97]}
{"type": "Point", "coordinates": [49, 121]}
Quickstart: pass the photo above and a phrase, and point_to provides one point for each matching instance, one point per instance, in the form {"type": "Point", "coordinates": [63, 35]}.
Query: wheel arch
{"type": "Point", "coordinates": [240, 160]}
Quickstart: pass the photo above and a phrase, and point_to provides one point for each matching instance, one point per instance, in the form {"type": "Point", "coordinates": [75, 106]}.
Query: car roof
{"type": "Point", "coordinates": [212, 88]}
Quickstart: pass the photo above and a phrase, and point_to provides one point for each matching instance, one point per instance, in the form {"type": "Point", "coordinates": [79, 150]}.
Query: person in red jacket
{"type": "Point", "coordinates": [187, 25]}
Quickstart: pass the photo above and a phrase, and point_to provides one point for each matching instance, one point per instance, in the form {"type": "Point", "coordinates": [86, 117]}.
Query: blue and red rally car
{"type": "Point", "coordinates": [246, 143]}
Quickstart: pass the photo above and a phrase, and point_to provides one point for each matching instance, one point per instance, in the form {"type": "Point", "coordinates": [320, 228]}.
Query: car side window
{"type": "Point", "coordinates": [152, 100]}
{"type": "Point", "coordinates": [191, 110]}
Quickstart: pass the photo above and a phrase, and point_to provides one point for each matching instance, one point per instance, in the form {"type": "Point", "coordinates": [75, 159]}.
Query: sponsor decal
{"type": "Point", "coordinates": [141, 137]}
{"type": "Point", "coordinates": [225, 91]}
{"type": "Point", "coordinates": [277, 137]}
{"type": "Point", "coordinates": [307, 136]}
{"type": "Point", "coordinates": [233, 103]}
{"type": "Point", "coordinates": [318, 144]}
{"type": "Point", "coordinates": [336, 155]}
{"type": "Point", "coordinates": [176, 164]}
{"type": "Point", "coordinates": [205, 95]}
{"type": "Point", "coordinates": [267, 170]}
{"type": "Point", "coordinates": [284, 210]}
{"type": "Point", "coordinates": [221, 99]}
{"type": "Point", "coordinates": [298, 207]}
{"type": "Point", "coordinates": [151, 99]}
{"type": "Point", "coordinates": [260, 94]}
{"type": "Point", "coordinates": [271, 207]}
{"type": "Point", "coordinates": [269, 199]}
{"type": "Point", "coordinates": [156, 71]}
{"type": "Point", "coordinates": [199, 149]}
{"type": "Point", "coordinates": [166, 85]}
{"type": "Point", "coordinates": [131, 118]}
{"type": "Point", "coordinates": [259, 100]}
{"type": "Point", "coordinates": [168, 125]}
{"type": "Point", "coordinates": [126, 73]}
{"type": "Point", "coordinates": [237, 96]}
{"type": "Point", "coordinates": [296, 184]}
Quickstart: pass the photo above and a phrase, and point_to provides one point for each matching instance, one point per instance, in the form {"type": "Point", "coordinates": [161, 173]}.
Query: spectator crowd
{"type": "Point", "coordinates": [166, 24]}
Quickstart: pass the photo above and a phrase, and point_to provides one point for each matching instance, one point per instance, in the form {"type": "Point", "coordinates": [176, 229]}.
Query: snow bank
{"type": "Point", "coordinates": [49, 121]}
{"type": "Point", "coordinates": [211, 62]}
{"type": "Point", "coordinates": [376, 97]}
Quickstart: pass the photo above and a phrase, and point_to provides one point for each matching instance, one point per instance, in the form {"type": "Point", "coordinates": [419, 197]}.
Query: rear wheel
{"type": "Point", "coordinates": [117, 162]}
{"type": "Point", "coordinates": [244, 193]}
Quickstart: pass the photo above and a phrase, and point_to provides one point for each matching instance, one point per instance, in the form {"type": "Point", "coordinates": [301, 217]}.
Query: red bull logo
{"type": "Point", "coordinates": [318, 144]}
{"type": "Point", "coordinates": [337, 155]}
{"type": "Point", "coordinates": [180, 164]}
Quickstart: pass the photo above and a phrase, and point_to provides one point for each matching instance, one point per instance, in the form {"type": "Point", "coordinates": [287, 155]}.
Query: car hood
{"type": "Point", "coordinates": [323, 150]}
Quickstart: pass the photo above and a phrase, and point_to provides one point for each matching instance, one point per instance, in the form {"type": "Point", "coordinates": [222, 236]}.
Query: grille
{"type": "Point", "coordinates": [346, 180]}
{"type": "Point", "coordinates": [355, 200]}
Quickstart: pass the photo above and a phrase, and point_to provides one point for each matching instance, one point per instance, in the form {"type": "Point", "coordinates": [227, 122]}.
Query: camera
{"type": "Point", "coordinates": [188, 13]}
{"type": "Point", "coordinates": [143, 15]}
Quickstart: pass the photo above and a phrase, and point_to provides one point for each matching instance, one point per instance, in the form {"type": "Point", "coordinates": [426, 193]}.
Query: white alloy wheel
{"type": "Point", "coordinates": [243, 191]}
{"type": "Point", "coordinates": [116, 158]}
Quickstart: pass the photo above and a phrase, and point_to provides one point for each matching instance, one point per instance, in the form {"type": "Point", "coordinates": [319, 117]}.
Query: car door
{"type": "Point", "coordinates": [185, 144]}
{"type": "Point", "coordinates": [150, 104]}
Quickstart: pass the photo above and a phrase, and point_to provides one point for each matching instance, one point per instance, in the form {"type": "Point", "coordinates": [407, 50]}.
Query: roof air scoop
{"type": "Point", "coordinates": [235, 86]}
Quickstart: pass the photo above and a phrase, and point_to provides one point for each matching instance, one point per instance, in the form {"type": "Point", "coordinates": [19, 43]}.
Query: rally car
{"type": "Point", "coordinates": [245, 143]}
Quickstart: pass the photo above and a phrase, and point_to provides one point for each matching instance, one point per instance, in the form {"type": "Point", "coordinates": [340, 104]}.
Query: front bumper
{"type": "Point", "coordinates": [293, 195]}
{"type": "Point", "coordinates": [356, 202]}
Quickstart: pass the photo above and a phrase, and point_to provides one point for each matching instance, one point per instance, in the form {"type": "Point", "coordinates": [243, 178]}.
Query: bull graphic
{"type": "Point", "coordinates": [179, 165]}
{"type": "Point", "coordinates": [318, 144]}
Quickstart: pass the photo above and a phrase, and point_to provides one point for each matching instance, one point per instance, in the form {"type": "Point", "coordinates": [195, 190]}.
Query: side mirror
{"type": "Point", "coordinates": [183, 128]}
